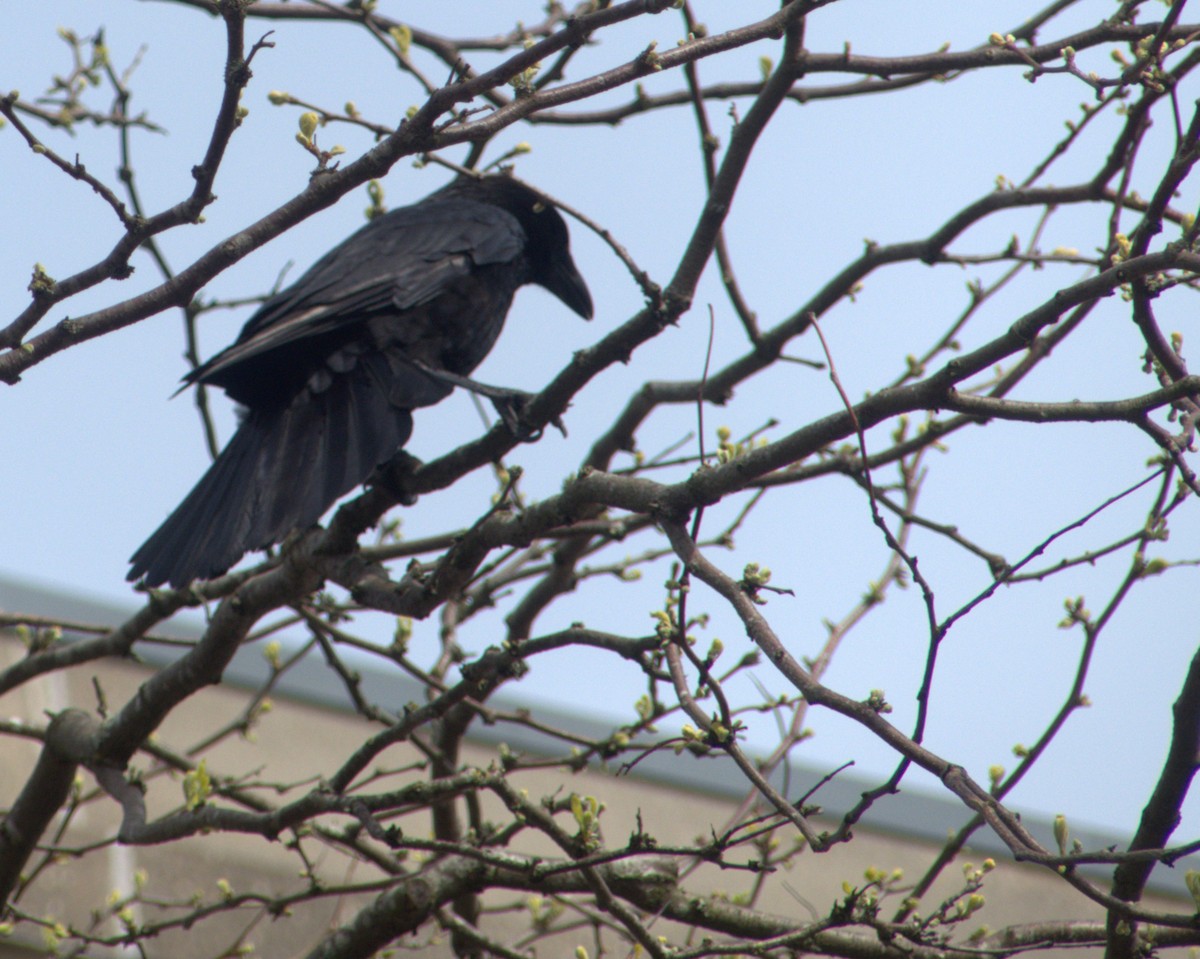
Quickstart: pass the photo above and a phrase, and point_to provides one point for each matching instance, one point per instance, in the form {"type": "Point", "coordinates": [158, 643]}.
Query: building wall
{"type": "Point", "coordinates": [297, 740]}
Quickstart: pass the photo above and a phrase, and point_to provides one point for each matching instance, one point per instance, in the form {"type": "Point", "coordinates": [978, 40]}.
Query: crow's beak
{"type": "Point", "coordinates": [565, 282]}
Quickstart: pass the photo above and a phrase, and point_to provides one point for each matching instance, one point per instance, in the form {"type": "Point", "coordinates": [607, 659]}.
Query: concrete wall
{"type": "Point", "coordinates": [297, 741]}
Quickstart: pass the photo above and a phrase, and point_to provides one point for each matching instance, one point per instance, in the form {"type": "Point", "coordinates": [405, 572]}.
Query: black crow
{"type": "Point", "coordinates": [329, 370]}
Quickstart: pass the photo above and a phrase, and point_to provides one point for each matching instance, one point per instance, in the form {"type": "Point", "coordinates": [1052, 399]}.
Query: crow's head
{"type": "Point", "coordinates": [548, 249]}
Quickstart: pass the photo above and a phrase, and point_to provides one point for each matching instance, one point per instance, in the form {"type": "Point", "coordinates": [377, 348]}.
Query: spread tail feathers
{"type": "Point", "coordinates": [283, 468]}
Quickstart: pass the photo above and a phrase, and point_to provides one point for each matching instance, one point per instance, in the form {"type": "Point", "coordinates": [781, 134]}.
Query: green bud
{"type": "Point", "coordinates": [402, 634]}
{"type": "Point", "coordinates": [755, 575]}
{"type": "Point", "coordinates": [197, 786]}
{"type": "Point", "coordinates": [1191, 879]}
{"type": "Point", "coordinates": [308, 124]}
{"type": "Point", "coordinates": [42, 282]}
{"type": "Point", "coordinates": [402, 36]}
{"type": "Point", "coordinates": [1061, 833]}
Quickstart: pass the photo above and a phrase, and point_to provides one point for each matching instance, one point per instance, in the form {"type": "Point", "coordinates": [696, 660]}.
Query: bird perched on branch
{"type": "Point", "coordinates": [329, 370]}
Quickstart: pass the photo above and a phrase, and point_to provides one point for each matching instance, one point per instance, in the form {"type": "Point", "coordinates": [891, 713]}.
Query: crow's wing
{"type": "Point", "coordinates": [398, 261]}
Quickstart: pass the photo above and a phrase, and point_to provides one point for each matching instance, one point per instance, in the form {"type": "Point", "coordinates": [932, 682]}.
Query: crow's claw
{"type": "Point", "coordinates": [393, 476]}
{"type": "Point", "coordinates": [510, 404]}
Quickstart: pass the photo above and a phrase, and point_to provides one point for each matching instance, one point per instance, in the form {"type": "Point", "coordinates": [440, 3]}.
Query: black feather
{"type": "Point", "coordinates": [330, 369]}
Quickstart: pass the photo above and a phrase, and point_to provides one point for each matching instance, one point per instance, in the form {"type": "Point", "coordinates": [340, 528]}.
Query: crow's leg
{"type": "Point", "coordinates": [509, 403]}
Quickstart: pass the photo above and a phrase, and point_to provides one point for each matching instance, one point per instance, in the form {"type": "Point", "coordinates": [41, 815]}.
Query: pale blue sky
{"type": "Point", "coordinates": [96, 454]}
